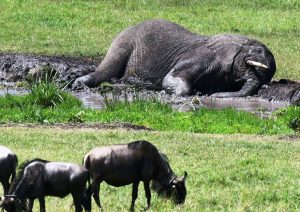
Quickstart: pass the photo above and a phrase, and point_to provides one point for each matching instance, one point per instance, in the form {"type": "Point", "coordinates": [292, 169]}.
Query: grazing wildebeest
{"type": "Point", "coordinates": [39, 178]}
{"type": "Point", "coordinates": [8, 165]}
{"type": "Point", "coordinates": [131, 163]}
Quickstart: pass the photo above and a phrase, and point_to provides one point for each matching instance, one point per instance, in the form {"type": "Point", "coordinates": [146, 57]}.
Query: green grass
{"type": "Point", "coordinates": [86, 28]}
{"type": "Point", "coordinates": [46, 103]}
{"type": "Point", "coordinates": [225, 172]}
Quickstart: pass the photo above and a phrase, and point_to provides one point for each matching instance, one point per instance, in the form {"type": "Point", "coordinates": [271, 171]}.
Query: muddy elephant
{"type": "Point", "coordinates": [167, 56]}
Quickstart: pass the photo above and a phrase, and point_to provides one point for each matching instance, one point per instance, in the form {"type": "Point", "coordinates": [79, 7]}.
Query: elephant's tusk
{"type": "Point", "coordinates": [257, 64]}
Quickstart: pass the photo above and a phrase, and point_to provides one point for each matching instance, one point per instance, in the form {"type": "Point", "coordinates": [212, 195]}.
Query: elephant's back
{"type": "Point", "coordinates": [156, 47]}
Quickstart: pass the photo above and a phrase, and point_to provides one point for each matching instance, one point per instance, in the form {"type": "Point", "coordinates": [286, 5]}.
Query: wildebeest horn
{"type": "Point", "coordinates": [183, 177]}
{"type": "Point", "coordinates": [10, 195]}
{"type": "Point", "coordinates": [257, 64]}
{"type": "Point", "coordinates": [11, 198]}
{"type": "Point", "coordinates": [172, 180]}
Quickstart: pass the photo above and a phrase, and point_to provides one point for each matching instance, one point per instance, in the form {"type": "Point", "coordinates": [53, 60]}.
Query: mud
{"type": "Point", "coordinates": [115, 125]}
{"type": "Point", "coordinates": [256, 105]}
{"type": "Point", "coordinates": [15, 68]}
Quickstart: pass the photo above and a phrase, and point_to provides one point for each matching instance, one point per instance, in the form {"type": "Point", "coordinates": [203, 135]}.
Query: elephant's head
{"type": "Point", "coordinates": [247, 63]}
{"type": "Point", "coordinates": [254, 61]}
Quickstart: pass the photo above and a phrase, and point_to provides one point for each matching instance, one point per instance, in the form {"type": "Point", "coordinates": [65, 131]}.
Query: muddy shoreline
{"type": "Point", "coordinates": [16, 68]}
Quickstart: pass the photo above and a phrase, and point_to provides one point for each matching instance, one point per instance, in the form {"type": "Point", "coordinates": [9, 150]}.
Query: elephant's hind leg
{"type": "Point", "coordinates": [113, 66]}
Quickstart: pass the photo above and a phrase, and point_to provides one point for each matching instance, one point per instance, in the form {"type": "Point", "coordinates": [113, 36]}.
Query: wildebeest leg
{"type": "Point", "coordinates": [147, 192]}
{"type": "Point", "coordinates": [5, 184]}
{"type": "Point", "coordinates": [134, 194]}
{"type": "Point", "coordinates": [30, 205]}
{"type": "Point", "coordinates": [42, 204]}
{"type": "Point", "coordinates": [77, 201]}
{"type": "Point", "coordinates": [96, 190]}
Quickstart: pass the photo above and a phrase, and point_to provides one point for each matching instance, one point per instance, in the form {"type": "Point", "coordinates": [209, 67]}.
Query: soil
{"type": "Point", "coordinates": [115, 125]}
{"type": "Point", "coordinates": [16, 68]}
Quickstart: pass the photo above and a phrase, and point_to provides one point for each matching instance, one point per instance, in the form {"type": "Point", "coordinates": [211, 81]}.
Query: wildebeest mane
{"type": "Point", "coordinates": [21, 170]}
{"type": "Point", "coordinates": [140, 144]}
{"type": "Point", "coordinates": [165, 158]}
{"type": "Point", "coordinates": [147, 145]}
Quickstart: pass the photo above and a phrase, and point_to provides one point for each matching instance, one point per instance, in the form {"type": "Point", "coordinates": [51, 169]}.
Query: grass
{"type": "Point", "coordinates": [225, 172]}
{"type": "Point", "coordinates": [47, 103]}
{"type": "Point", "coordinates": [86, 28]}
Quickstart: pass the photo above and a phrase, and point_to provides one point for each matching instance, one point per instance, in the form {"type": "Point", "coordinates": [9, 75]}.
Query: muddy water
{"type": "Point", "coordinates": [256, 105]}
{"type": "Point", "coordinates": [12, 91]}
{"type": "Point", "coordinates": [97, 101]}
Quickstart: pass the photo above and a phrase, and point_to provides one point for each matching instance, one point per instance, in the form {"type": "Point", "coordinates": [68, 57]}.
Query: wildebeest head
{"type": "Point", "coordinates": [178, 189]}
{"type": "Point", "coordinates": [175, 189]}
{"type": "Point", "coordinates": [22, 186]}
{"type": "Point", "coordinates": [11, 203]}
{"type": "Point", "coordinates": [7, 203]}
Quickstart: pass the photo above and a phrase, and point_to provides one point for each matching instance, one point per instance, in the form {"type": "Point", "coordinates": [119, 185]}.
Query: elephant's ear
{"type": "Point", "coordinates": [225, 48]}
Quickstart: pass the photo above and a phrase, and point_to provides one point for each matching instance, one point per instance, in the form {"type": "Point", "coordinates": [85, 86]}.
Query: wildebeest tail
{"type": "Point", "coordinates": [13, 163]}
{"type": "Point", "coordinates": [87, 197]}
{"type": "Point", "coordinates": [86, 162]}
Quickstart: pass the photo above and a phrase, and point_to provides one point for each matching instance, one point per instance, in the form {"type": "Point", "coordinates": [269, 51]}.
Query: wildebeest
{"type": "Point", "coordinates": [125, 164]}
{"type": "Point", "coordinates": [8, 165]}
{"type": "Point", "coordinates": [38, 178]}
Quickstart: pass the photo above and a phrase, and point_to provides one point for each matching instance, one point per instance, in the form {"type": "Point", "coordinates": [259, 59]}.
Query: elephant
{"type": "Point", "coordinates": [169, 57]}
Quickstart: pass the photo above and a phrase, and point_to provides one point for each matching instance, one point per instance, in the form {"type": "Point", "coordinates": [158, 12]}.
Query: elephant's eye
{"type": "Point", "coordinates": [255, 51]}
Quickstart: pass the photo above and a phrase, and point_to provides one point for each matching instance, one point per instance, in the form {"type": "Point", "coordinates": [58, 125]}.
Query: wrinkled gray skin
{"type": "Point", "coordinates": [170, 57]}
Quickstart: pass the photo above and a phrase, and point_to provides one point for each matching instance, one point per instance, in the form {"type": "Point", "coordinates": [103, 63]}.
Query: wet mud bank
{"type": "Point", "coordinates": [16, 68]}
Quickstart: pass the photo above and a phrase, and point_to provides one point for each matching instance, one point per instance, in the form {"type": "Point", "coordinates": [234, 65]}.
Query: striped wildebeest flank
{"type": "Point", "coordinates": [38, 178]}
{"type": "Point", "coordinates": [124, 164]}
{"type": "Point", "coordinates": [8, 165]}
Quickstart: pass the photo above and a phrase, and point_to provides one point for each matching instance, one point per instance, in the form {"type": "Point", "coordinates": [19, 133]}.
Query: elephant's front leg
{"type": "Point", "coordinates": [180, 79]}
{"type": "Point", "coordinates": [250, 88]}
{"type": "Point", "coordinates": [176, 84]}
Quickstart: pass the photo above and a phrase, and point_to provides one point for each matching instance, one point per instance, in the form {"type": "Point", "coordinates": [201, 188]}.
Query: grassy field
{"type": "Point", "coordinates": [225, 172]}
{"type": "Point", "coordinates": [86, 28]}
